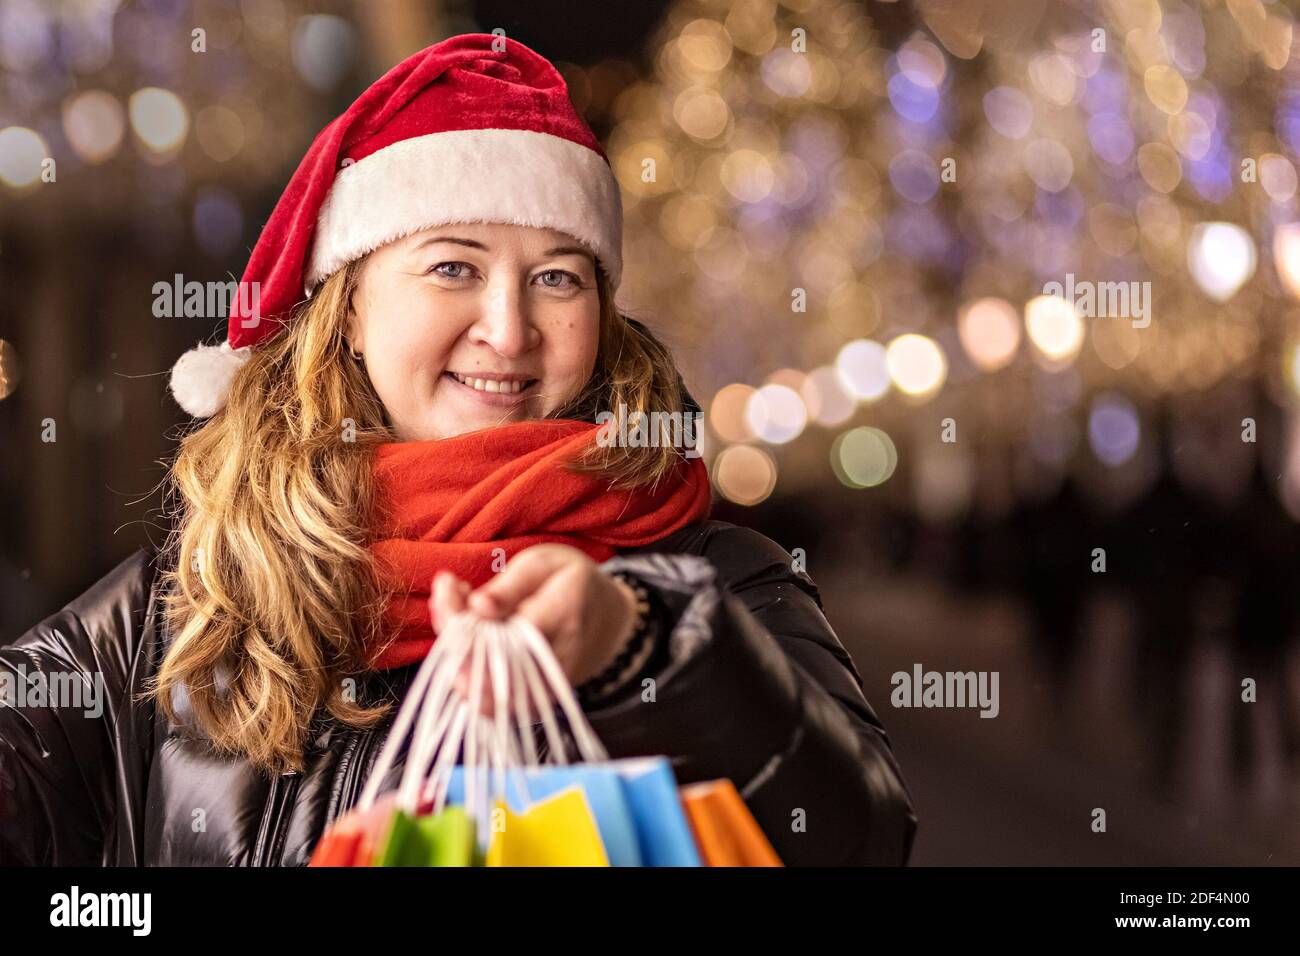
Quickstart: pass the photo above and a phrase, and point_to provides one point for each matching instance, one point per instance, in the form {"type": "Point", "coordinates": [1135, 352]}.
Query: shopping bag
{"type": "Point", "coordinates": [663, 833]}
{"type": "Point", "coordinates": [514, 659]}
{"type": "Point", "coordinates": [594, 813]}
{"type": "Point", "coordinates": [442, 839]}
{"type": "Point", "coordinates": [602, 787]}
{"type": "Point", "coordinates": [558, 830]}
{"type": "Point", "coordinates": [725, 830]}
{"type": "Point", "coordinates": [635, 802]}
{"type": "Point", "coordinates": [338, 847]}
{"type": "Point", "coordinates": [353, 838]}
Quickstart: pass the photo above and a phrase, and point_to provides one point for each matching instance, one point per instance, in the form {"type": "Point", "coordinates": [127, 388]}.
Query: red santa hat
{"type": "Point", "coordinates": [477, 128]}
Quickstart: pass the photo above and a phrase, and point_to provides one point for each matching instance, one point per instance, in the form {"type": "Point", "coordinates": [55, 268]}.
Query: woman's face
{"type": "Point", "coordinates": [475, 324]}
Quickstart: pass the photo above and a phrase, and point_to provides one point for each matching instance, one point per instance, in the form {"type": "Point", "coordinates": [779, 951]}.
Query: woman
{"type": "Point", "coordinates": [416, 438]}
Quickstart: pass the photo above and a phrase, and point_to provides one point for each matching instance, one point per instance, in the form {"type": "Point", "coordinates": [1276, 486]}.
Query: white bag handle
{"type": "Point", "coordinates": [402, 725]}
{"type": "Point", "coordinates": [589, 747]}
{"type": "Point", "coordinates": [514, 659]}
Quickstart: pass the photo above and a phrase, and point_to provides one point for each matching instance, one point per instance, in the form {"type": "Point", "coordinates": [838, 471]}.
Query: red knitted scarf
{"type": "Point", "coordinates": [448, 504]}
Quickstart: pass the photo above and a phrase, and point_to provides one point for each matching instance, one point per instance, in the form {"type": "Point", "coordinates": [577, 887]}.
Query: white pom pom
{"type": "Point", "coordinates": [201, 377]}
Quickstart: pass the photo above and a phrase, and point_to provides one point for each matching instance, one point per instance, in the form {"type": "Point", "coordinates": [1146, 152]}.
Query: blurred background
{"type": "Point", "coordinates": [842, 216]}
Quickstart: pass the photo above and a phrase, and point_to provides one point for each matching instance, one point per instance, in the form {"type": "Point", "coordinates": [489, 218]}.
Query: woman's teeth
{"type": "Point", "coordinates": [490, 385]}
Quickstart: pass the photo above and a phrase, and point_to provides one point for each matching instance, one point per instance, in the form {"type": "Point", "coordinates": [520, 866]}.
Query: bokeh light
{"type": "Point", "coordinates": [989, 330]}
{"type": "Point", "coordinates": [701, 113]}
{"type": "Point", "coordinates": [323, 49]}
{"type": "Point", "coordinates": [862, 369]}
{"type": "Point", "coordinates": [787, 73]}
{"type": "Point", "coordinates": [220, 132]}
{"type": "Point", "coordinates": [1286, 257]}
{"type": "Point", "coordinates": [1054, 326]}
{"type": "Point", "coordinates": [828, 402]}
{"type": "Point", "coordinates": [1049, 164]}
{"type": "Point", "coordinates": [1166, 88]}
{"type": "Point", "coordinates": [1292, 366]}
{"type": "Point", "coordinates": [1221, 257]}
{"type": "Point", "coordinates": [159, 119]}
{"type": "Point", "coordinates": [863, 457]}
{"type": "Point", "coordinates": [747, 175]}
{"type": "Point", "coordinates": [94, 123]}
{"type": "Point", "coordinates": [727, 413]}
{"type": "Point", "coordinates": [1278, 177]}
{"type": "Point", "coordinates": [776, 414]}
{"type": "Point", "coordinates": [913, 101]}
{"type": "Point", "coordinates": [1160, 166]}
{"type": "Point", "coordinates": [914, 176]}
{"type": "Point", "coordinates": [744, 474]}
{"type": "Point", "coordinates": [916, 364]}
{"type": "Point", "coordinates": [1053, 77]}
{"type": "Point", "coordinates": [22, 153]}
{"type": "Point", "coordinates": [1009, 111]}
{"type": "Point", "coordinates": [10, 370]}
{"type": "Point", "coordinates": [1113, 429]}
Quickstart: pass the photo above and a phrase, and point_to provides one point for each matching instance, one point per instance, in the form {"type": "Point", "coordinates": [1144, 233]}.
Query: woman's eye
{"type": "Point", "coordinates": [461, 267]}
{"type": "Point", "coordinates": [559, 279]}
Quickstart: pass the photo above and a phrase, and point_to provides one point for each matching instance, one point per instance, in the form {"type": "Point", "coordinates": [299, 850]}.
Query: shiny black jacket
{"type": "Point", "coordinates": [757, 688]}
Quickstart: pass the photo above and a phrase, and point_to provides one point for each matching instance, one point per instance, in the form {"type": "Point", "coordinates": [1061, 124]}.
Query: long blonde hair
{"type": "Point", "coordinates": [272, 596]}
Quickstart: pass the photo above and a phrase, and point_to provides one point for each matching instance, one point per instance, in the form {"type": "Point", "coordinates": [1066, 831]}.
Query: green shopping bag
{"type": "Point", "coordinates": [444, 839]}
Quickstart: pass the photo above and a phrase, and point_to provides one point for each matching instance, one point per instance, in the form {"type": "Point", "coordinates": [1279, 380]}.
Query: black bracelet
{"type": "Point", "coordinates": [636, 651]}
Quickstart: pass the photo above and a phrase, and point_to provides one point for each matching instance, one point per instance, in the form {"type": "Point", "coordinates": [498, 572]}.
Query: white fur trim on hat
{"type": "Point", "coordinates": [201, 377]}
{"type": "Point", "coordinates": [473, 175]}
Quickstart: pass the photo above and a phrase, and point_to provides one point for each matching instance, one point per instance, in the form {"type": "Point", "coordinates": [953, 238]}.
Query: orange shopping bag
{"type": "Point", "coordinates": [725, 830]}
{"type": "Point", "coordinates": [354, 838]}
{"type": "Point", "coordinates": [338, 847]}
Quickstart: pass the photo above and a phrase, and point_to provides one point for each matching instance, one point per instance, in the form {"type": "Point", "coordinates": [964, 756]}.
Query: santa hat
{"type": "Point", "coordinates": [477, 128]}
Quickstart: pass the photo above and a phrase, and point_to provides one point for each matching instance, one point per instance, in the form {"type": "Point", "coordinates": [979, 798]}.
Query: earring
{"type": "Point", "coordinates": [356, 356]}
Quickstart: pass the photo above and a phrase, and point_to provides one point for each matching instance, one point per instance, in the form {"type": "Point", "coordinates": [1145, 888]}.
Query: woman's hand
{"type": "Point", "coordinates": [585, 614]}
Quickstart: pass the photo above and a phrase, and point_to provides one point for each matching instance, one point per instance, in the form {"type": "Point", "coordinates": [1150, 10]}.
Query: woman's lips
{"type": "Point", "coordinates": [495, 399]}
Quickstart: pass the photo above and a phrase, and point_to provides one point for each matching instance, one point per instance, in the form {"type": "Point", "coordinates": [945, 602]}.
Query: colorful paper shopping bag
{"type": "Point", "coordinates": [338, 847]}
{"type": "Point", "coordinates": [353, 838]}
{"type": "Point", "coordinates": [635, 802]}
{"type": "Point", "coordinates": [663, 833]}
{"type": "Point", "coordinates": [601, 784]}
{"type": "Point", "coordinates": [445, 839]}
{"type": "Point", "coordinates": [558, 830]}
{"type": "Point", "coordinates": [727, 833]}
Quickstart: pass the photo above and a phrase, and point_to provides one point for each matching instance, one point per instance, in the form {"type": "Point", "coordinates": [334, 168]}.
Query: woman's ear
{"type": "Point", "coordinates": [352, 329]}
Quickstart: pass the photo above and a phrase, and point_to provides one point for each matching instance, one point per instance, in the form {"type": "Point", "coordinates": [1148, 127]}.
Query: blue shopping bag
{"type": "Point", "coordinates": [662, 829]}
{"type": "Point", "coordinates": [635, 803]}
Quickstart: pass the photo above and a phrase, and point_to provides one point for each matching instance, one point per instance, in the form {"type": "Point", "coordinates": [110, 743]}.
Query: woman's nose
{"type": "Point", "coordinates": [505, 325]}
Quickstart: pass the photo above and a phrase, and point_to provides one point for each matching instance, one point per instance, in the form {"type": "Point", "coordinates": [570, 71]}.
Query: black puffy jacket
{"type": "Point", "coordinates": [758, 689]}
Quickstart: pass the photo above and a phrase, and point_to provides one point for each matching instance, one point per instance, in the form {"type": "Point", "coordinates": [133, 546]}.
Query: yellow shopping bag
{"type": "Point", "coordinates": [559, 830]}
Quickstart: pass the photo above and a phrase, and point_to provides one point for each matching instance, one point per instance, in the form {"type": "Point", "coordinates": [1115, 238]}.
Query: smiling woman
{"type": "Point", "coordinates": [369, 457]}
{"type": "Point", "coordinates": [506, 331]}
